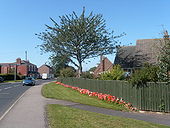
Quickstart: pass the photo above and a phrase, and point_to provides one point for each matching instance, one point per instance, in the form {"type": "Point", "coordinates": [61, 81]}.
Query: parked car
{"type": "Point", "coordinates": [29, 81]}
{"type": "Point", "coordinates": [1, 79]}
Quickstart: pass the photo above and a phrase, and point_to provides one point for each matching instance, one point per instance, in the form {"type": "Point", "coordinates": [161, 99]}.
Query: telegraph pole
{"type": "Point", "coordinates": [15, 75]}
{"type": "Point", "coordinates": [15, 71]}
{"type": "Point", "coordinates": [26, 55]}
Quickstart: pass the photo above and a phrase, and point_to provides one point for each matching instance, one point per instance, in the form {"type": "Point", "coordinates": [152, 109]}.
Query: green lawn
{"type": "Point", "coordinates": [66, 117]}
{"type": "Point", "coordinates": [55, 91]}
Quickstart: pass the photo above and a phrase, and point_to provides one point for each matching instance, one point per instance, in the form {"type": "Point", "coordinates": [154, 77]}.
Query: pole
{"type": "Point", "coordinates": [15, 75]}
{"type": "Point", "coordinates": [26, 55]}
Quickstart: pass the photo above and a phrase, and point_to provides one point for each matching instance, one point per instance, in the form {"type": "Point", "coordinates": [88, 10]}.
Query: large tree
{"type": "Point", "coordinates": [79, 37]}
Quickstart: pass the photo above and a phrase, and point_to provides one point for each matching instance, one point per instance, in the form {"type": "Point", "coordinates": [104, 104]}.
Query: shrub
{"type": "Point", "coordinates": [87, 75]}
{"type": "Point", "coordinates": [149, 73]}
{"type": "Point", "coordinates": [67, 72]}
{"type": "Point", "coordinates": [11, 76]}
{"type": "Point", "coordinates": [116, 73]}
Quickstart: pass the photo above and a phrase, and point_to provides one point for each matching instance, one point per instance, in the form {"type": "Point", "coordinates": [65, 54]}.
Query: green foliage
{"type": "Point", "coordinates": [67, 72]}
{"type": "Point", "coordinates": [116, 73]}
{"type": "Point", "coordinates": [149, 73]}
{"type": "Point", "coordinates": [11, 76]}
{"type": "Point", "coordinates": [162, 105]}
{"type": "Point", "coordinates": [59, 62]}
{"type": "Point", "coordinates": [92, 69]}
{"type": "Point", "coordinates": [164, 61]}
{"type": "Point", "coordinates": [79, 37]}
{"type": "Point", "coordinates": [87, 75]}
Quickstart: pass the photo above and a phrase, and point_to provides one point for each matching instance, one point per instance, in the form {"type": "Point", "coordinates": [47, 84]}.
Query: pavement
{"type": "Point", "coordinates": [9, 93]}
{"type": "Point", "coordinates": [29, 111]}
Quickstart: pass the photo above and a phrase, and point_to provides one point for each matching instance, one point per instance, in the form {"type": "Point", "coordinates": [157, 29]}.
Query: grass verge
{"type": "Point", "coordinates": [11, 81]}
{"type": "Point", "coordinates": [66, 117]}
{"type": "Point", "coordinates": [55, 91]}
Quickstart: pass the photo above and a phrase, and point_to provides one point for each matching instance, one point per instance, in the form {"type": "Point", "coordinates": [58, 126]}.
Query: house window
{"type": "Point", "coordinates": [29, 67]}
{"type": "Point", "coordinates": [33, 68]}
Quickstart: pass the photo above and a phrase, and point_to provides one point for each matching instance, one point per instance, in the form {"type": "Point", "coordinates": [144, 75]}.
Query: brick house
{"type": "Point", "coordinates": [105, 65]}
{"type": "Point", "coordinates": [21, 67]}
{"type": "Point", "coordinates": [46, 69]}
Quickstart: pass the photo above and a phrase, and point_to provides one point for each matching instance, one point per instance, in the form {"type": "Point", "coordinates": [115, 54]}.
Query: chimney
{"type": "Point", "coordinates": [102, 63]}
{"type": "Point", "coordinates": [101, 58]}
{"type": "Point", "coordinates": [18, 60]}
{"type": "Point", "coordinates": [166, 34]}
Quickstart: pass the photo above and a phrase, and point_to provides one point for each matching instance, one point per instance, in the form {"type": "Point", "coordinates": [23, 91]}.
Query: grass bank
{"type": "Point", "coordinates": [11, 81]}
{"type": "Point", "coordinates": [66, 117]}
{"type": "Point", "coordinates": [55, 91]}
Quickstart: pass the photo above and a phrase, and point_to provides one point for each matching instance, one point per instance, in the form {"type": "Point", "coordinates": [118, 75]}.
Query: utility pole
{"type": "Point", "coordinates": [26, 55]}
{"type": "Point", "coordinates": [15, 70]}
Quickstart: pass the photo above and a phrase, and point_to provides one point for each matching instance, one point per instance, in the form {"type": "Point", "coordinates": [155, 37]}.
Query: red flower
{"type": "Point", "coordinates": [100, 96]}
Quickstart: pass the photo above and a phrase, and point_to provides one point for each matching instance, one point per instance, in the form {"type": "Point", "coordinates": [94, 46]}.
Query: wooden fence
{"type": "Point", "coordinates": [153, 97]}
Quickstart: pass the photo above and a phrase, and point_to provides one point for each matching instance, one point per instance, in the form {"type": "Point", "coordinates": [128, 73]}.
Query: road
{"type": "Point", "coordinates": [10, 92]}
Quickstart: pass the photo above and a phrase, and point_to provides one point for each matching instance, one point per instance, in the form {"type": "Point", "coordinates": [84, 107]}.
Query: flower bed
{"type": "Point", "coordinates": [101, 96]}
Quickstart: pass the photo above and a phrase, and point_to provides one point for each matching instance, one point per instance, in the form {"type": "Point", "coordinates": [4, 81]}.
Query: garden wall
{"type": "Point", "coordinates": [153, 97]}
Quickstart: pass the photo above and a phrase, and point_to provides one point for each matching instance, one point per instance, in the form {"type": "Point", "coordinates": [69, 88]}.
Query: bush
{"type": "Point", "coordinates": [149, 73]}
{"type": "Point", "coordinates": [116, 73]}
{"type": "Point", "coordinates": [11, 76]}
{"type": "Point", "coordinates": [87, 75]}
{"type": "Point", "coordinates": [67, 72]}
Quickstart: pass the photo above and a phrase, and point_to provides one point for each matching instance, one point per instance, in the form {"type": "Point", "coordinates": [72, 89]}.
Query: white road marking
{"type": "Point", "coordinates": [7, 87]}
{"type": "Point", "coordinates": [17, 85]}
{"type": "Point", "coordinates": [12, 106]}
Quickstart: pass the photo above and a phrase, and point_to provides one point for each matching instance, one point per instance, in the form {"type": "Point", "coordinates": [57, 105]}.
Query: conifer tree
{"type": "Point", "coordinates": [164, 59]}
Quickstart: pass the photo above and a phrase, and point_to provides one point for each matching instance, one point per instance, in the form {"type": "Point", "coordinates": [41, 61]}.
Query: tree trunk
{"type": "Point", "coordinates": [80, 70]}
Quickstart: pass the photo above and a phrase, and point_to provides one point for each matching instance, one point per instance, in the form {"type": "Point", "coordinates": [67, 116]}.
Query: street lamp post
{"type": "Point", "coordinates": [15, 71]}
{"type": "Point", "coordinates": [15, 74]}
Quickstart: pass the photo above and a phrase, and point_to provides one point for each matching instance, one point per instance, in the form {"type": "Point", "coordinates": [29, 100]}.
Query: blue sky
{"type": "Point", "coordinates": [21, 19]}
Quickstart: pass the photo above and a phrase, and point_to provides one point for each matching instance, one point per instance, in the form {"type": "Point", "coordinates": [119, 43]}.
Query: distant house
{"type": "Point", "coordinates": [133, 57]}
{"type": "Point", "coordinates": [21, 67]}
{"type": "Point", "coordinates": [46, 69]}
{"type": "Point", "coordinates": [105, 65]}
